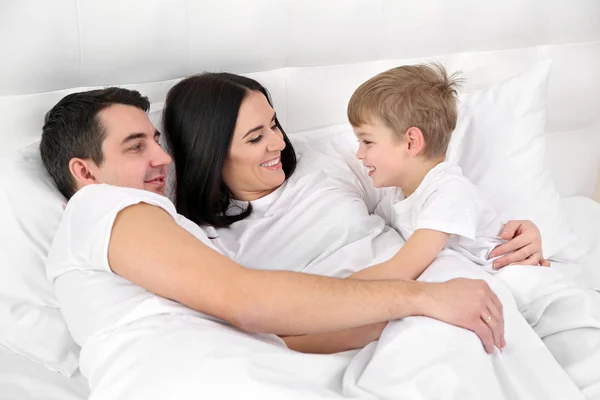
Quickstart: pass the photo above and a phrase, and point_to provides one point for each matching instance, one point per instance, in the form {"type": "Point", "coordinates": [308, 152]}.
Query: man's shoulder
{"type": "Point", "coordinates": [97, 201]}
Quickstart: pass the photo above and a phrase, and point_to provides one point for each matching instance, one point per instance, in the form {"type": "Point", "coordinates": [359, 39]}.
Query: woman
{"type": "Point", "coordinates": [238, 177]}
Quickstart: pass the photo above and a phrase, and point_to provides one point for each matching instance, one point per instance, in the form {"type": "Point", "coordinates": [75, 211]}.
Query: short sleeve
{"type": "Point", "coordinates": [453, 208]}
{"type": "Point", "coordinates": [82, 239]}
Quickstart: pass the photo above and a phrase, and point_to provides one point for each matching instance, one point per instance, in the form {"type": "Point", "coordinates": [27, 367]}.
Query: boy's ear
{"type": "Point", "coordinates": [81, 171]}
{"type": "Point", "coordinates": [415, 140]}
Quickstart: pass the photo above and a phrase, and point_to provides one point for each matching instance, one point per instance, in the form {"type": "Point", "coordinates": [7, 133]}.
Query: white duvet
{"type": "Point", "coordinates": [186, 357]}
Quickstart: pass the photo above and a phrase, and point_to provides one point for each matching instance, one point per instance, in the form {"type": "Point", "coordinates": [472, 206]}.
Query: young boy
{"type": "Point", "coordinates": [403, 119]}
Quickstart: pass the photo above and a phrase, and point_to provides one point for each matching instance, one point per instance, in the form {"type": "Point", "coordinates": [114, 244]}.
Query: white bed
{"type": "Point", "coordinates": [310, 55]}
{"type": "Point", "coordinates": [21, 379]}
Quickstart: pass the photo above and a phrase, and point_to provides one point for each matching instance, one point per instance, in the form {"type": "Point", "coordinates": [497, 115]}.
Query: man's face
{"type": "Point", "coordinates": [132, 156]}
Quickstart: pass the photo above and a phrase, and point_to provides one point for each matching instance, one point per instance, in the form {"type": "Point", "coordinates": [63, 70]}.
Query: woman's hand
{"type": "Point", "coordinates": [336, 342]}
{"type": "Point", "coordinates": [524, 245]}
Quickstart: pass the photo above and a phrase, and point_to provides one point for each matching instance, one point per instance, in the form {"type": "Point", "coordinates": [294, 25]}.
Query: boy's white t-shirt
{"type": "Point", "coordinates": [447, 201]}
{"type": "Point", "coordinates": [92, 298]}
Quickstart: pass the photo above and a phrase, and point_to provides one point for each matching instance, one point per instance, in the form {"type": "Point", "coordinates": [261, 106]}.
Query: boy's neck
{"type": "Point", "coordinates": [418, 173]}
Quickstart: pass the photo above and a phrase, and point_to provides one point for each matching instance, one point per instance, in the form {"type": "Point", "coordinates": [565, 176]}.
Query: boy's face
{"type": "Point", "coordinates": [382, 152]}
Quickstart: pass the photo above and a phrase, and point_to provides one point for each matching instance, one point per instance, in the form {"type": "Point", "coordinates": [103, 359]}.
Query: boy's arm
{"type": "Point", "coordinates": [411, 260]}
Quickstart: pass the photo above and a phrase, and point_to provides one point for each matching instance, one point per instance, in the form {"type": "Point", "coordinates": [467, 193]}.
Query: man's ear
{"type": "Point", "coordinates": [82, 172]}
{"type": "Point", "coordinates": [415, 140]}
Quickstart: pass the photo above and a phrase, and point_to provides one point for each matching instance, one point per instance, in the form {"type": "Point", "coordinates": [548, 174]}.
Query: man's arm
{"type": "Point", "coordinates": [149, 249]}
{"type": "Point", "coordinates": [407, 264]}
{"type": "Point", "coordinates": [411, 260]}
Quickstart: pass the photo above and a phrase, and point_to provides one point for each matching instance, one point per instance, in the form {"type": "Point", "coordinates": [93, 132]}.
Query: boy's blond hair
{"type": "Point", "coordinates": [423, 96]}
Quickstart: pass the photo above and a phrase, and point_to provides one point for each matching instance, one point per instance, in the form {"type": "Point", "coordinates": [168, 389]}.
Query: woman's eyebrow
{"type": "Point", "coordinates": [258, 128]}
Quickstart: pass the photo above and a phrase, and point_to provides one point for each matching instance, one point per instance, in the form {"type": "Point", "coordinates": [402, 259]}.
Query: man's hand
{"type": "Point", "coordinates": [469, 304]}
{"type": "Point", "coordinates": [524, 245]}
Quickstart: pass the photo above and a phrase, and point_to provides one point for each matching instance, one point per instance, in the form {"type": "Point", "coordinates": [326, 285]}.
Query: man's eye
{"type": "Point", "coordinates": [136, 147]}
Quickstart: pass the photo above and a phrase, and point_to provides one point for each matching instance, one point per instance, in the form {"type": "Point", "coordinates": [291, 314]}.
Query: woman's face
{"type": "Point", "coordinates": [253, 167]}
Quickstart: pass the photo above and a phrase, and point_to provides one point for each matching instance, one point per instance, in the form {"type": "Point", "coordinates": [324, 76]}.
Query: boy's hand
{"type": "Point", "coordinates": [524, 245]}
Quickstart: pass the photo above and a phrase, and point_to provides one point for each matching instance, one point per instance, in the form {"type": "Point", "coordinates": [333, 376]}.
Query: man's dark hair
{"type": "Point", "coordinates": [72, 130]}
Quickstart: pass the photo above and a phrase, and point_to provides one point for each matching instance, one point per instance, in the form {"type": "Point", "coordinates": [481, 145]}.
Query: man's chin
{"type": "Point", "coordinates": [155, 189]}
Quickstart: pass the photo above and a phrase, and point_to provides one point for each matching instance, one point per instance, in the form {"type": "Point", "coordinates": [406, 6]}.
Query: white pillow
{"type": "Point", "coordinates": [31, 207]}
{"type": "Point", "coordinates": [30, 210]}
{"type": "Point", "coordinates": [500, 145]}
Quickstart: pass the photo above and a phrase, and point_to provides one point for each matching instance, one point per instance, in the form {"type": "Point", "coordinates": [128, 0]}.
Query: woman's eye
{"type": "Point", "coordinates": [274, 127]}
{"type": "Point", "coordinates": [256, 139]}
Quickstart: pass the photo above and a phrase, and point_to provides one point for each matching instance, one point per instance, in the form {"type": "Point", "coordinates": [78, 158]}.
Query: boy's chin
{"type": "Point", "coordinates": [378, 183]}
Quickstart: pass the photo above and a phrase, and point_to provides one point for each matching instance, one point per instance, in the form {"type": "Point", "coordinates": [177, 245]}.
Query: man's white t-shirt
{"type": "Point", "coordinates": [92, 298]}
{"type": "Point", "coordinates": [447, 201]}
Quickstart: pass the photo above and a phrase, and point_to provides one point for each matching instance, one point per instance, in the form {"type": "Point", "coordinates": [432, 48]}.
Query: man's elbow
{"type": "Point", "coordinates": [251, 317]}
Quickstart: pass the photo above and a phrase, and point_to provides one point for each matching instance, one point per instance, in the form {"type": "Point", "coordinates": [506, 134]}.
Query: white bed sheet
{"type": "Point", "coordinates": [21, 379]}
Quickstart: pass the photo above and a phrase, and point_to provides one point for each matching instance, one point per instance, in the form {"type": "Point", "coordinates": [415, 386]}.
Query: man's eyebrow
{"type": "Point", "coordinates": [258, 128]}
{"type": "Point", "coordinates": [134, 136]}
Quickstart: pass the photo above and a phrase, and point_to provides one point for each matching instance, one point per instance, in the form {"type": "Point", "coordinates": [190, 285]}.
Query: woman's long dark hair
{"type": "Point", "coordinates": [199, 118]}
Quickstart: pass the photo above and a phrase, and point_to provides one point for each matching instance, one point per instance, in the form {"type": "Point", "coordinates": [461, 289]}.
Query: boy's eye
{"type": "Point", "coordinates": [367, 142]}
{"type": "Point", "coordinates": [256, 139]}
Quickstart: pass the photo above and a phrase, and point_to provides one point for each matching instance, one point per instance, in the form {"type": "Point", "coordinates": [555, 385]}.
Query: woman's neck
{"type": "Point", "coordinates": [252, 195]}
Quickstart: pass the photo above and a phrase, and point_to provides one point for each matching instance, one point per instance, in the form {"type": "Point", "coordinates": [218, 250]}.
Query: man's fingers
{"type": "Point", "coordinates": [485, 334]}
{"type": "Point", "coordinates": [496, 324]}
{"type": "Point", "coordinates": [497, 304]}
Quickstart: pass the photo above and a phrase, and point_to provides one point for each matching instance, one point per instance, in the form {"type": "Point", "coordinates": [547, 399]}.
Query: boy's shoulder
{"type": "Point", "coordinates": [446, 175]}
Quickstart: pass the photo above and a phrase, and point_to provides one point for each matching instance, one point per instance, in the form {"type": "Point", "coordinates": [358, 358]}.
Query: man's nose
{"type": "Point", "coordinates": [161, 157]}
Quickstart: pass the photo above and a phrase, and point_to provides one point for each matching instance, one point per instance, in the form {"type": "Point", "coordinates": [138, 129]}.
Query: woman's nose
{"type": "Point", "coordinates": [276, 142]}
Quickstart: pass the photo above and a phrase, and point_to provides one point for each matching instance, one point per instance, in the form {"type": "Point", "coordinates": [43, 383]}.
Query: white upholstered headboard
{"type": "Point", "coordinates": [310, 54]}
